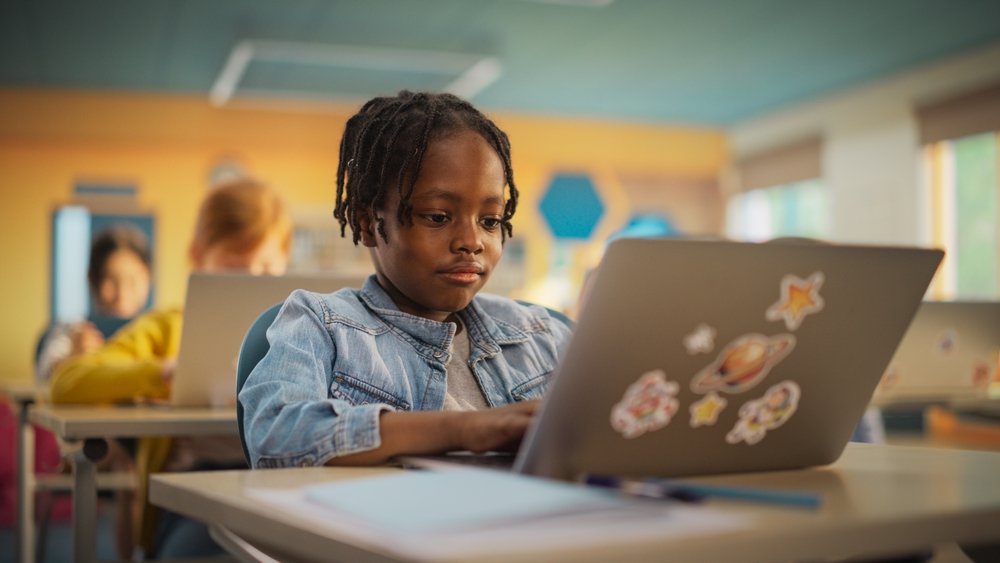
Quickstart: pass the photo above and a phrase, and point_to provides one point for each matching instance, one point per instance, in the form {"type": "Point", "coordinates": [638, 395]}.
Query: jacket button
{"type": "Point", "coordinates": [438, 354]}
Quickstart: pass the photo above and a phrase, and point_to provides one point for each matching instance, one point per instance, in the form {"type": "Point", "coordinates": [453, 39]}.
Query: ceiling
{"type": "Point", "coordinates": [712, 62]}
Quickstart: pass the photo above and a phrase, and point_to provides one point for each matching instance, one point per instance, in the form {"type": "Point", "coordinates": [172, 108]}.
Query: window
{"type": "Point", "coordinates": [796, 209]}
{"type": "Point", "coordinates": [964, 189]}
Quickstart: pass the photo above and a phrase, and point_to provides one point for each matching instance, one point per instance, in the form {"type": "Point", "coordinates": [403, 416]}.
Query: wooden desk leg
{"type": "Point", "coordinates": [85, 498]}
{"type": "Point", "coordinates": [25, 484]}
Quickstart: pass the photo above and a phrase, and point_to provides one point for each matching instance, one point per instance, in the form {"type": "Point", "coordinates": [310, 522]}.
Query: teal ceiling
{"type": "Point", "coordinates": [691, 61]}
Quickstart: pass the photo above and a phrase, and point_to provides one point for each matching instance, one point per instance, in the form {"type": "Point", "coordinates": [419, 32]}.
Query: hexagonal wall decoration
{"type": "Point", "coordinates": [571, 206]}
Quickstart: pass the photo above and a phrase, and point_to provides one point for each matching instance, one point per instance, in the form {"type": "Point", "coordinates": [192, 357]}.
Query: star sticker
{"type": "Point", "coordinates": [706, 411]}
{"type": "Point", "coordinates": [701, 341]}
{"type": "Point", "coordinates": [799, 297]}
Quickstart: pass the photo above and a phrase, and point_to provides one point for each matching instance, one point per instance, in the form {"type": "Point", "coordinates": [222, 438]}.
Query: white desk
{"type": "Point", "coordinates": [878, 500]}
{"type": "Point", "coordinates": [90, 426]}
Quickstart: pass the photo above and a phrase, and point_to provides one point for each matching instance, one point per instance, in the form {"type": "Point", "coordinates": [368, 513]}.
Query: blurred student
{"type": "Point", "coordinates": [242, 226]}
{"type": "Point", "coordinates": [119, 274]}
{"type": "Point", "coordinates": [417, 361]}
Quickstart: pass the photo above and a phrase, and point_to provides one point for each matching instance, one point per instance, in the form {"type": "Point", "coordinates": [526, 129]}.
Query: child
{"type": "Point", "coordinates": [118, 275]}
{"type": "Point", "coordinates": [414, 362]}
{"type": "Point", "coordinates": [242, 226]}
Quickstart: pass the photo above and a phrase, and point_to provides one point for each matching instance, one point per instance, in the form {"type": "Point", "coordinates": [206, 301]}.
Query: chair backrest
{"type": "Point", "coordinates": [254, 346]}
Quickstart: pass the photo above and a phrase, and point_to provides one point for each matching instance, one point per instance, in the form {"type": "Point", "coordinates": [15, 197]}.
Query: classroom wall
{"type": "Point", "coordinates": [871, 157]}
{"type": "Point", "coordinates": [167, 146]}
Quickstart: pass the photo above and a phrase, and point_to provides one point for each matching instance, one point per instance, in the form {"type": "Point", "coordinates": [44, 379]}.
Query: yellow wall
{"type": "Point", "coordinates": [167, 145]}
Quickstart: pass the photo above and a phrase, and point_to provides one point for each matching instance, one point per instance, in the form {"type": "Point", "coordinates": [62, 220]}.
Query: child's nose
{"type": "Point", "coordinates": [467, 237]}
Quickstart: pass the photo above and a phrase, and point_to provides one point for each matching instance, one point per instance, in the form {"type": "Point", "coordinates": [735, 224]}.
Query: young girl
{"type": "Point", "coordinates": [118, 275]}
{"type": "Point", "coordinates": [414, 362]}
{"type": "Point", "coordinates": [242, 226]}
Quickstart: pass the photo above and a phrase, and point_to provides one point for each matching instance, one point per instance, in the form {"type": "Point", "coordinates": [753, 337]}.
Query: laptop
{"type": "Point", "coordinates": [950, 352]}
{"type": "Point", "coordinates": [695, 357]}
{"type": "Point", "coordinates": [218, 311]}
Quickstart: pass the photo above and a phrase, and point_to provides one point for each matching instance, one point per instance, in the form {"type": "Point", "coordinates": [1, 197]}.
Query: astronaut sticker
{"type": "Point", "coordinates": [767, 413]}
{"type": "Point", "coordinates": [701, 340]}
{"type": "Point", "coordinates": [706, 411]}
{"type": "Point", "coordinates": [799, 297]}
{"type": "Point", "coordinates": [648, 404]}
{"type": "Point", "coordinates": [743, 363]}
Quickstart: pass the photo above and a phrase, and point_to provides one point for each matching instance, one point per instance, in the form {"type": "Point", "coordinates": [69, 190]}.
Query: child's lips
{"type": "Point", "coordinates": [462, 277]}
{"type": "Point", "coordinates": [465, 273]}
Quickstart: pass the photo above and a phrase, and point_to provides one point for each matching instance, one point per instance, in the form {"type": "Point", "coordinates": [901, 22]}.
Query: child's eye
{"type": "Point", "coordinates": [491, 223]}
{"type": "Point", "coordinates": [436, 218]}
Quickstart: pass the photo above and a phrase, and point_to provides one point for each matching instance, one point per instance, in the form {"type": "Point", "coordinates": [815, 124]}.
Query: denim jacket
{"type": "Point", "coordinates": [338, 360]}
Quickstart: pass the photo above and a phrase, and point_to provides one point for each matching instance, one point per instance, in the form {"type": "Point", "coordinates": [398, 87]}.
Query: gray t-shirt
{"type": "Point", "coordinates": [463, 392]}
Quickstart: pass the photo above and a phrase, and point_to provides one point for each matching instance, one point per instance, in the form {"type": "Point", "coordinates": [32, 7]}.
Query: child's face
{"type": "Point", "coordinates": [124, 285]}
{"type": "Point", "coordinates": [270, 257]}
{"type": "Point", "coordinates": [436, 265]}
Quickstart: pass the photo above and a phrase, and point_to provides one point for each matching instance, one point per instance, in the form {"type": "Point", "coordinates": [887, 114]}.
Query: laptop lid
{"type": "Point", "coordinates": [950, 351]}
{"type": "Point", "coordinates": [218, 311]}
{"type": "Point", "coordinates": [706, 357]}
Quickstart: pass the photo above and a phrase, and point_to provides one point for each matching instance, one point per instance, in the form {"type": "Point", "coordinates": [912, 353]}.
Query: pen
{"type": "Point", "coordinates": [644, 489]}
{"type": "Point", "coordinates": [690, 492]}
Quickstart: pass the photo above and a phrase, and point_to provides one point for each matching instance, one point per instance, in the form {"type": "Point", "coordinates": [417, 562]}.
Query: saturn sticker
{"type": "Point", "coordinates": [743, 363]}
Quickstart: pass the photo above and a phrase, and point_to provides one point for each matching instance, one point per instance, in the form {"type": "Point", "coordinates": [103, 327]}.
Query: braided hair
{"type": "Point", "coordinates": [383, 147]}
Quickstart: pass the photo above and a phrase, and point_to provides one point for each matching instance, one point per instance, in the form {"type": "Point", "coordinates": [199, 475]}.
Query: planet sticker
{"type": "Point", "coordinates": [648, 404]}
{"type": "Point", "coordinates": [743, 363]}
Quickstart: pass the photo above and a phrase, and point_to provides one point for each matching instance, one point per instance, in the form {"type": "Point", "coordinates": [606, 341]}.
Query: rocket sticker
{"type": "Point", "coordinates": [648, 404]}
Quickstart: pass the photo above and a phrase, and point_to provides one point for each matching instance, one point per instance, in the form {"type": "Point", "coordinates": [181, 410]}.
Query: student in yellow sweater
{"type": "Point", "coordinates": [242, 226]}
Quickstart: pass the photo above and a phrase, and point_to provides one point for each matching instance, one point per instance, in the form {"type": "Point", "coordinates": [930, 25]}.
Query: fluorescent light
{"type": "Point", "coordinates": [473, 72]}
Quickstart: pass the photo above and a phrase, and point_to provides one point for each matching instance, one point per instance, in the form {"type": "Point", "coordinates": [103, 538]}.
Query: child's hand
{"type": "Point", "coordinates": [499, 429]}
{"type": "Point", "coordinates": [167, 371]}
{"type": "Point", "coordinates": [437, 432]}
{"type": "Point", "coordinates": [85, 338]}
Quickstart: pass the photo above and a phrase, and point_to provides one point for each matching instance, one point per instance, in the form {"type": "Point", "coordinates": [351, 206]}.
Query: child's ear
{"type": "Point", "coordinates": [367, 222]}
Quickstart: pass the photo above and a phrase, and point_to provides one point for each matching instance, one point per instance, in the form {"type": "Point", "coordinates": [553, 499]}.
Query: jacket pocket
{"type": "Point", "coordinates": [533, 388]}
{"type": "Point", "coordinates": [358, 392]}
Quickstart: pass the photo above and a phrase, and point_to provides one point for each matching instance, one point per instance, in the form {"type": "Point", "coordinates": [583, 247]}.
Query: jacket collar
{"type": "Point", "coordinates": [485, 332]}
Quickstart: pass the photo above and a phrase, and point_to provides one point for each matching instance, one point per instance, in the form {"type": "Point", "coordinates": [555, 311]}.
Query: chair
{"type": "Point", "coordinates": [254, 346]}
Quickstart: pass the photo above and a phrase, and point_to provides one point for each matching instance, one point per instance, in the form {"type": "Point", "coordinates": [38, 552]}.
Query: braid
{"type": "Point", "coordinates": [385, 142]}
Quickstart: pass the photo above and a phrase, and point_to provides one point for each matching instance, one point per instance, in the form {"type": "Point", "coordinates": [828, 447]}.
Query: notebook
{"type": "Point", "coordinates": [218, 311]}
{"type": "Point", "coordinates": [706, 357]}
{"type": "Point", "coordinates": [949, 352]}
